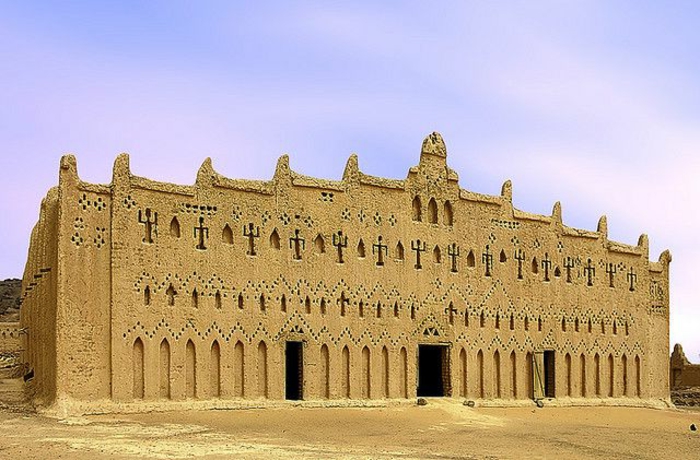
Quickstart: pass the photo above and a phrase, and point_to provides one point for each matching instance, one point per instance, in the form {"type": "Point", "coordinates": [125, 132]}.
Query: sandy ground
{"type": "Point", "coordinates": [444, 429]}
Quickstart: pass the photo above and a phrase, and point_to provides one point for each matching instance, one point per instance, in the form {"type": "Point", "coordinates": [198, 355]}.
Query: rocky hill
{"type": "Point", "coordinates": [10, 295]}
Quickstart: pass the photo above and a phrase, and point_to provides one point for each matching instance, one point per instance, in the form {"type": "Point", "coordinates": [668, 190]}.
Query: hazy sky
{"type": "Point", "coordinates": [595, 104]}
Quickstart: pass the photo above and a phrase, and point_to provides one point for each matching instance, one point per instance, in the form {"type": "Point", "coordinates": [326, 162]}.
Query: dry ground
{"type": "Point", "coordinates": [444, 429]}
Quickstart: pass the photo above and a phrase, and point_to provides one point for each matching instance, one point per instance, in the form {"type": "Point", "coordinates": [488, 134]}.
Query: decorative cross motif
{"type": "Point", "coordinates": [520, 257]}
{"type": "Point", "coordinates": [251, 235]}
{"type": "Point", "coordinates": [453, 252]}
{"type": "Point", "coordinates": [416, 246]}
{"type": "Point", "coordinates": [589, 271]}
{"type": "Point", "coordinates": [632, 278]}
{"type": "Point", "coordinates": [568, 264]}
{"type": "Point", "coordinates": [546, 264]}
{"type": "Point", "coordinates": [611, 270]}
{"type": "Point", "coordinates": [340, 242]}
{"type": "Point", "coordinates": [202, 233]}
{"type": "Point", "coordinates": [487, 259]}
{"type": "Point", "coordinates": [149, 222]}
{"type": "Point", "coordinates": [297, 243]}
{"type": "Point", "coordinates": [381, 251]}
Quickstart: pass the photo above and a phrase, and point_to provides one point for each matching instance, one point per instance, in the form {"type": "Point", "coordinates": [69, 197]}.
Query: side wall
{"type": "Point", "coordinates": [84, 288]}
{"type": "Point", "coordinates": [659, 335]}
{"type": "Point", "coordinates": [690, 376]}
{"type": "Point", "coordinates": [38, 312]}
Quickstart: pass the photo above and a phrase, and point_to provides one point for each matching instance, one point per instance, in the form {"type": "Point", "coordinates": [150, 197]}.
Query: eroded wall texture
{"type": "Point", "coordinates": [304, 288]}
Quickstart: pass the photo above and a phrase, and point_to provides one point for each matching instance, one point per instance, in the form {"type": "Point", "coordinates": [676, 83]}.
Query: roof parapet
{"type": "Point", "coordinates": [507, 191]}
{"type": "Point", "coordinates": [603, 227]}
{"type": "Point", "coordinates": [121, 172]}
{"type": "Point", "coordinates": [351, 174]}
{"type": "Point", "coordinates": [68, 171]}
{"type": "Point", "coordinates": [433, 144]}
{"type": "Point", "coordinates": [283, 173]}
{"type": "Point", "coordinates": [643, 245]}
{"type": "Point", "coordinates": [206, 176]}
{"type": "Point", "coordinates": [556, 215]}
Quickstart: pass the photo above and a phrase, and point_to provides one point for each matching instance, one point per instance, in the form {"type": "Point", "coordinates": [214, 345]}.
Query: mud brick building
{"type": "Point", "coordinates": [304, 288]}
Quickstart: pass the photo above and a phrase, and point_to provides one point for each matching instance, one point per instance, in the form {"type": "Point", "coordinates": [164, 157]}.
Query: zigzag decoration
{"type": "Point", "coordinates": [215, 284]}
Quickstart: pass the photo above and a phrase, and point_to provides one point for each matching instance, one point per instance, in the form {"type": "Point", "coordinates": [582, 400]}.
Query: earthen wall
{"type": "Point", "coordinates": [684, 374]}
{"type": "Point", "coordinates": [172, 292]}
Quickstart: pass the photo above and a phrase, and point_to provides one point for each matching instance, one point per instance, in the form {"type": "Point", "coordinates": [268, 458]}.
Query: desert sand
{"type": "Point", "coordinates": [444, 429]}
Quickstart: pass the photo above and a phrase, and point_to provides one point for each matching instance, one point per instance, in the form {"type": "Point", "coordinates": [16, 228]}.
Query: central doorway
{"type": "Point", "coordinates": [433, 370]}
{"type": "Point", "coordinates": [294, 371]}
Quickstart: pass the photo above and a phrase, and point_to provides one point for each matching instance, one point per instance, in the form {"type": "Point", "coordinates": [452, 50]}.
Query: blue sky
{"type": "Point", "coordinates": [594, 104]}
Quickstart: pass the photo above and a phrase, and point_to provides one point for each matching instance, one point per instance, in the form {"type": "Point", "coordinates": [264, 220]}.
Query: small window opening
{"type": "Point", "coordinates": [399, 252]}
{"type": "Point", "coordinates": [416, 209]}
{"type": "Point", "coordinates": [227, 235]}
{"type": "Point", "coordinates": [448, 214]}
{"type": "Point", "coordinates": [361, 249]}
{"type": "Point", "coordinates": [433, 211]}
{"type": "Point", "coordinates": [320, 244]}
{"type": "Point", "coordinates": [275, 240]}
{"type": "Point", "coordinates": [170, 294]}
{"type": "Point", "coordinates": [175, 228]}
{"type": "Point", "coordinates": [471, 260]}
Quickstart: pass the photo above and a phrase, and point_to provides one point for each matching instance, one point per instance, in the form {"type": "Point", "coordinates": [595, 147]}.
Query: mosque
{"type": "Point", "coordinates": [147, 294]}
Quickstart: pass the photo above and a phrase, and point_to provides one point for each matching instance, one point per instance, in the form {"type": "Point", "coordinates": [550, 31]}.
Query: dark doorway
{"type": "Point", "coordinates": [549, 379]}
{"type": "Point", "coordinates": [433, 370]}
{"type": "Point", "coordinates": [294, 368]}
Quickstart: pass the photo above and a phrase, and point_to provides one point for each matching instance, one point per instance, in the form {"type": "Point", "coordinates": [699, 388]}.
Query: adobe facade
{"type": "Point", "coordinates": [310, 289]}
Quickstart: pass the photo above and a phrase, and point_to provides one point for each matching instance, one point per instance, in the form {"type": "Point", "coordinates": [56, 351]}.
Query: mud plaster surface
{"type": "Point", "coordinates": [443, 429]}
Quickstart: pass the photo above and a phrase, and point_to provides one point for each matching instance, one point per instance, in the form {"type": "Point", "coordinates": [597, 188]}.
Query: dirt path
{"type": "Point", "coordinates": [442, 430]}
